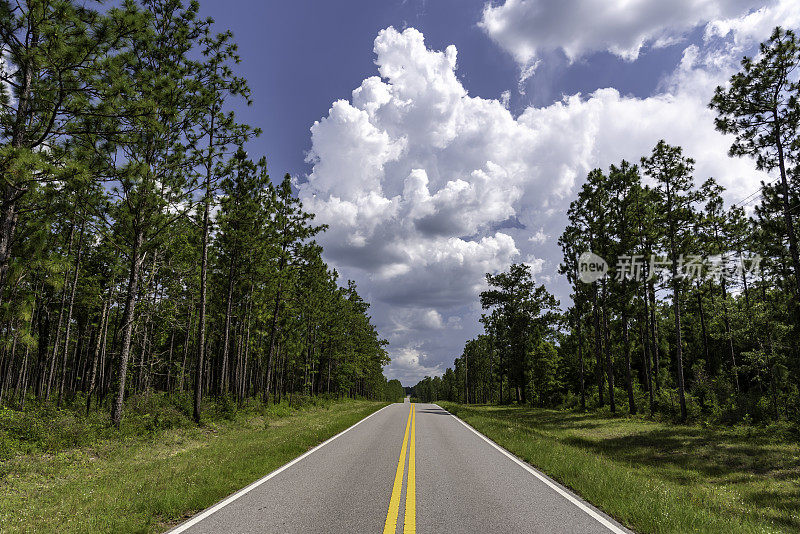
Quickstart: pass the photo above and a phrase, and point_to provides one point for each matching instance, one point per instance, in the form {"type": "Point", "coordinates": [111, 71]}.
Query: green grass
{"type": "Point", "coordinates": [654, 476]}
{"type": "Point", "coordinates": [140, 480]}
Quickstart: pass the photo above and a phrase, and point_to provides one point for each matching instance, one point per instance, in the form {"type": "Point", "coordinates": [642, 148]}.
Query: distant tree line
{"type": "Point", "coordinates": [702, 317]}
{"type": "Point", "coordinates": [141, 248]}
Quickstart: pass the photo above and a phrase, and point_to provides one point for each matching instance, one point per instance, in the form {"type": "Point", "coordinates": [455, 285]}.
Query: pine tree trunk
{"type": "Point", "coordinates": [21, 389]}
{"type": "Point", "coordinates": [238, 381]}
{"type": "Point", "coordinates": [169, 359]}
{"type": "Point", "coordinates": [8, 225]}
{"type": "Point", "coordinates": [580, 360]}
{"type": "Point", "coordinates": [153, 290]}
{"type": "Point", "coordinates": [102, 368]}
{"type": "Point", "coordinates": [466, 377]}
{"type": "Point", "coordinates": [127, 322]}
{"type": "Point", "coordinates": [201, 321]}
{"type": "Point", "coordinates": [787, 212]}
{"type": "Point", "coordinates": [745, 288]}
{"type": "Point", "coordinates": [491, 371]}
{"type": "Point", "coordinates": [69, 313]}
{"type": "Point", "coordinates": [81, 378]}
{"type": "Point", "coordinates": [654, 336]}
{"type": "Point", "coordinates": [96, 359]}
{"type": "Point", "coordinates": [272, 332]}
{"type": "Point", "coordinates": [22, 384]}
{"type": "Point", "coordinates": [703, 324]}
{"type": "Point", "coordinates": [676, 295]}
{"type": "Point", "coordinates": [76, 359]}
{"type": "Point", "coordinates": [108, 370]}
{"type": "Point", "coordinates": [190, 320]}
{"type": "Point", "coordinates": [607, 351]}
{"type": "Point", "coordinates": [626, 344]}
{"type": "Point", "coordinates": [142, 375]}
{"type": "Point", "coordinates": [598, 349]}
{"type": "Point", "coordinates": [6, 373]}
{"type": "Point", "coordinates": [57, 344]}
{"type": "Point", "coordinates": [329, 373]}
{"type": "Point", "coordinates": [644, 334]}
{"type": "Point", "coordinates": [42, 358]}
{"type": "Point", "coordinates": [223, 385]}
{"type": "Point", "coordinates": [244, 344]}
{"type": "Point", "coordinates": [729, 335]}
{"type": "Point", "coordinates": [248, 381]}
{"type": "Point", "coordinates": [502, 374]}
{"type": "Point", "coordinates": [646, 358]}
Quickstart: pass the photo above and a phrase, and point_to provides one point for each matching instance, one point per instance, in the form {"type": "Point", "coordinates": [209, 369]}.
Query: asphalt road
{"type": "Point", "coordinates": [359, 482]}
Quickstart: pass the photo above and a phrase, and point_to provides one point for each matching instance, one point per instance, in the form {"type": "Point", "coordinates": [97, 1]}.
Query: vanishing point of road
{"type": "Point", "coordinates": [406, 468]}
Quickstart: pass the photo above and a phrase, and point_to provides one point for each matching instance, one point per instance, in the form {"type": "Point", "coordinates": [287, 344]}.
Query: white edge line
{"type": "Point", "coordinates": [222, 504]}
{"type": "Point", "coordinates": [558, 489]}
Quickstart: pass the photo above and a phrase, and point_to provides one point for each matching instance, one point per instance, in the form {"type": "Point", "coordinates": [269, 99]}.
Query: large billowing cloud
{"type": "Point", "coordinates": [528, 28]}
{"type": "Point", "coordinates": [426, 188]}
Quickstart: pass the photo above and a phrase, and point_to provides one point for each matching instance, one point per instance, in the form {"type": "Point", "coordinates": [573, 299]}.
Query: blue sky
{"type": "Point", "coordinates": [301, 56]}
{"type": "Point", "coordinates": [419, 171]}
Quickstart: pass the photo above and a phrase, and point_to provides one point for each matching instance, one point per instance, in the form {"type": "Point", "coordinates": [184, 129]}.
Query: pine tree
{"type": "Point", "coordinates": [761, 109]}
{"type": "Point", "coordinates": [624, 185]}
{"type": "Point", "coordinates": [291, 231]}
{"type": "Point", "coordinates": [150, 92]}
{"type": "Point", "coordinates": [528, 314]}
{"type": "Point", "coordinates": [217, 131]}
{"type": "Point", "coordinates": [676, 197]}
{"type": "Point", "coordinates": [572, 245]}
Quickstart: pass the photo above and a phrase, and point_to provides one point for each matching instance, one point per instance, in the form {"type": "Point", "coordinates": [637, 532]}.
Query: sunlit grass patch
{"type": "Point", "coordinates": [654, 476]}
{"type": "Point", "coordinates": [146, 484]}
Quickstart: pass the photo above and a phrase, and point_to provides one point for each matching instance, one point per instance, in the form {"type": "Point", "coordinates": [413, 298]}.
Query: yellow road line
{"type": "Point", "coordinates": [410, 520]}
{"type": "Point", "coordinates": [390, 527]}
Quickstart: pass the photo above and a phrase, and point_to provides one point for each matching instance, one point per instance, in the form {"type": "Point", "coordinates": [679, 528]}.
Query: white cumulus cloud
{"type": "Point", "coordinates": [527, 28]}
{"type": "Point", "coordinates": [427, 188]}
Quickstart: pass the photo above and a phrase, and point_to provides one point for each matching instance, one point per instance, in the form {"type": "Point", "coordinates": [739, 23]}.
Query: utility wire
{"type": "Point", "coordinates": [749, 199]}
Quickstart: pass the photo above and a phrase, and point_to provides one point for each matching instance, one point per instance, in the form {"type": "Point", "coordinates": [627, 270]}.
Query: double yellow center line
{"type": "Point", "coordinates": [410, 517]}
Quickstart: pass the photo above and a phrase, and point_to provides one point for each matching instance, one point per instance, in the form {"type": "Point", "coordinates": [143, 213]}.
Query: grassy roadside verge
{"type": "Point", "coordinates": [657, 477]}
{"type": "Point", "coordinates": [148, 484]}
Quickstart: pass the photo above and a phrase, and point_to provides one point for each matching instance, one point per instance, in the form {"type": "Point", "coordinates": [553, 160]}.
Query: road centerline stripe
{"type": "Point", "coordinates": [410, 517]}
{"type": "Point", "coordinates": [390, 526]}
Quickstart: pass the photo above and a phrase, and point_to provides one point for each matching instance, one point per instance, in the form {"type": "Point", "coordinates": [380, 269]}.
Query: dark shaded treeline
{"type": "Point", "coordinates": [708, 330]}
{"type": "Point", "coordinates": [141, 248]}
